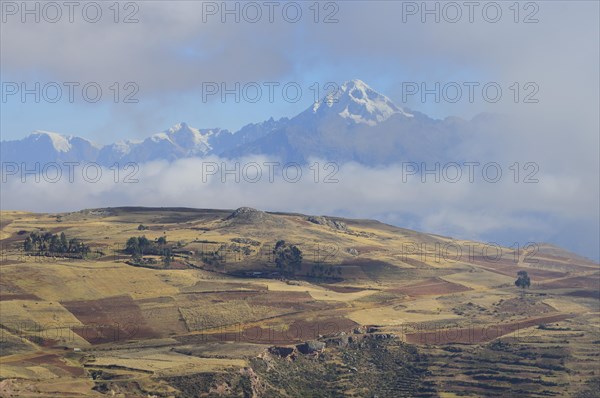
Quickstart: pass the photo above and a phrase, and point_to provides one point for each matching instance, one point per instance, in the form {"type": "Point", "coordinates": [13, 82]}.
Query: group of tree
{"type": "Point", "coordinates": [48, 243]}
{"type": "Point", "coordinates": [140, 246]}
{"type": "Point", "coordinates": [288, 258]}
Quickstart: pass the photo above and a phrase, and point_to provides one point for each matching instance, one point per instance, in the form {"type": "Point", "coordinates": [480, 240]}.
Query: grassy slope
{"type": "Point", "coordinates": [147, 324]}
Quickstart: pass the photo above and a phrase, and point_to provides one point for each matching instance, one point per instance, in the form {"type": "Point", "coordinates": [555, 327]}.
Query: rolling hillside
{"type": "Point", "coordinates": [230, 313]}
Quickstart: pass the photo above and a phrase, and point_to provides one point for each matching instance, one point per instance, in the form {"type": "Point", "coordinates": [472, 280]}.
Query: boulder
{"type": "Point", "coordinates": [311, 347]}
{"type": "Point", "coordinates": [282, 352]}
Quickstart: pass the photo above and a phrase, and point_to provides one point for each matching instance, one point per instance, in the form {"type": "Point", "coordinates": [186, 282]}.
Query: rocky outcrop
{"type": "Point", "coordinates": [306, 348]}
{"type": "Point", "coordinates": [341, 341]}
{"type": "Point", "coordinates": [337, 225]}
{"type": "Point", "coordinates": [352, 251]}
{"type": "Point", "coordinates": [247, 216]}
{"type": "Point", "coordinates": [282, 352]}
{"type": "Point", "coordinates": [311, 347]}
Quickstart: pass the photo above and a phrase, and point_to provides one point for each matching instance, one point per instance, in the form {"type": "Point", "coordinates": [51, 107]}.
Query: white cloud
{"type": "Point", "coordinates": [463, 209]}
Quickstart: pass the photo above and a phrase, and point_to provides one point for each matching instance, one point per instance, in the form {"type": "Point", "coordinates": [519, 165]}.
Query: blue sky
{"type": "Point", "coordinates": [169, 64]}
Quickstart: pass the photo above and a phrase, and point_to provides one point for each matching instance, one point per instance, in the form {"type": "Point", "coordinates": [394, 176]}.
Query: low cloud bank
{"type": "Point", "coordinates": [488, 201]}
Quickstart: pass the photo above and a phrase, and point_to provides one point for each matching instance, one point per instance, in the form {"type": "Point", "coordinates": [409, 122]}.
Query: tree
{"type": "Point", "coordinates": [28, 244]}
{"type": "Point", "coordinates": [64, 245]}
{"type": "Point", "coordinates": [162, 240]}
{"type": "Point", "coordinates": [132, 247]}
{"type": "Point", "coordinates": [523, 281]}
{"type": "Point", "coordinates": [73, 243]}
{"type": "Point", "coordinates": [54, 244]}
{"type": "Point", "coordinates": [279, 244]}
{"type": "Point", "coordinates": [46, 236]}
{"type": "Point", "coordinates": [35, 241]}
{"type": "Point", "coordinates": [167, 256]}
{"type": "Point", "coordinates": [288, 258]}
{"type": "Point", "coordinates": [144, 244]}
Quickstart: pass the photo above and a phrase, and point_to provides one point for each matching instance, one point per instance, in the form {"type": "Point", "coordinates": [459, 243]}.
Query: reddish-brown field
{"type": "Point", "coordinates": [51, 361]}
{"type": "Point", "coordinates": [343, 289]}
{"type": "Point", "coordinates": [10, 291]}
{"type": "Point", "coordinates": [55, 360]}
{"type": "Point", "coordinates": [18, 296]}
{"type": "Point", "coordinates": [110, 320]}
{"type": "Point", "coordinates": [295, 331]}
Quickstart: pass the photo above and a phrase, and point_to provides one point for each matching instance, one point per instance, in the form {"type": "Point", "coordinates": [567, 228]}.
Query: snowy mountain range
{"type": "Point", "coordinates": [354, 124]}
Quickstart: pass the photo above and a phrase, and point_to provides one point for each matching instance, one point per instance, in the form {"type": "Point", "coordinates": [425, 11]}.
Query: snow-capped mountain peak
{"type": "Point", "coordinates": [160, 137]}
{"type": "Point", "coordinates": [181, 129]}
{"type": "Point", "coordinates": [356, 101]}
{"type": "Point", "coordinates": [60, 143]}
{"type": "Point", "coordinates": [189, 138]}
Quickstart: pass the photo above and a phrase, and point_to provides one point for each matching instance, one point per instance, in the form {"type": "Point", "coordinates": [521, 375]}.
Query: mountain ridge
{"type": "Point", "coordinates": [340, 128]}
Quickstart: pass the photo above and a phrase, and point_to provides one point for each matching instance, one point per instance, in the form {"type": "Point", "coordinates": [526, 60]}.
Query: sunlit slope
{"type": "Point", "coordinates": [73, 324]}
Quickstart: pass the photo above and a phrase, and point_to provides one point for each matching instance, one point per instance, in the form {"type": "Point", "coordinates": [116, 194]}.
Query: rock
{"type": "Point", "coordinates": [383, 336]}
{"type": "Point", "coordinates": [311, 347]}
{"type": "Point", "coordinates": [352, 251]}
{"type": "Point", "coordinates": [282, 352]}
{"type": "Point", "coordinates": [320, 220]}
{"type": "Point", "coordinates": [339, 341]}
{"type": "Point", "coordinates": [248, 215]}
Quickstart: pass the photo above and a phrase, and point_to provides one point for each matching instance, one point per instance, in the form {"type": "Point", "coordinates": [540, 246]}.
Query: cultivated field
{"type": "Point", "coordinates": [385, 312]}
